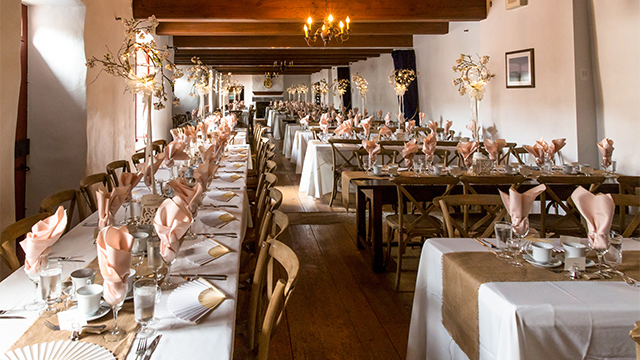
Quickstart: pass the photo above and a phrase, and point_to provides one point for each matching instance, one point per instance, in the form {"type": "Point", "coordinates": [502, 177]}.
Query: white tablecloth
{"type": "Point", "coordinates": [276, 124]}
{"type": "Point", "coordinates": [299, 148]}
{"type": "Point", "coordinates": [212, 338]}
{"type": "Point", "coordinates": [289, 137]}
{"type": "Point", "coordinates": [526, 320]}
{"type": "Point", "coordinates": [317, 171]}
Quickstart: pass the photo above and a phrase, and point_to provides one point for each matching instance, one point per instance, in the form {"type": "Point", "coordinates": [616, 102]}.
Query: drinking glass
{"type": "Point", "coordinates": [167, 284]}
{"type": "Point", "coordinates": [37, 303]}
{"type": "Point", "coordinates": [127, 205]}
{"type": "Point", "coordinates": [614, 255]}
{"type": "Point", "coordinates": [51, 287]}
{"type": "Point", "coordinates": [503, 232]}
{"type": "Point", "coordinates": [137, 250]}
{"type": "Point", "coordinates": [116, 334]}
{"type": "Point", "coordinates": [371, 163]}
{"type": "Point", "coordinates": [144, 304]}
{"type": "Point", "coordinates": [417, 165]}
{"type": "Point", "coordinates": [67, 293]}
{"type": "Point", "coordinates": [154, 259]}
{"type": "Point", "coordinates": [518, 243]}
{"type": "Point", "coordinates": [600, 253]}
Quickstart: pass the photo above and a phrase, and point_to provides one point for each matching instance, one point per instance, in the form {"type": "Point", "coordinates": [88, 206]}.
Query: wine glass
{"type": "Point", "coordinates": [154, 259]}
{"type": "Point", "coordinates": [600, 254]}
{"type": "Point", "coordinates": [117, 334]}
{"type": "Point", "coordinates": [167, 284]}
{"type": "Point", "coordinates": [51, 286]}
{"type": "Point", "coordinates": [137, 250]}
{"type": "Point", "coordinates": [518, 243]}
{"type": "Point", "coordinates": [417, 165]}
{"type": "Point", "coordinates": [144, 304]}
{"type": "Point", "coordinates": [37, 303]}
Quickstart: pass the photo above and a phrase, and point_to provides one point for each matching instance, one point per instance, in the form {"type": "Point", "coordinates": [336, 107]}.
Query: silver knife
{"type": "Point", "coordinates": [152, 348]}
{"type": "Point", "coordinates": [12, 317]}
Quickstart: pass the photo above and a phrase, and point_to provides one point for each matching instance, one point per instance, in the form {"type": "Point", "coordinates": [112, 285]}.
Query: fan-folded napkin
{"type": "Point", "coordinates": [597, 210]}
{"type": "Point", "coordinates": [38, 242]}
{"type": "Point", "coordinates": [518, 206]}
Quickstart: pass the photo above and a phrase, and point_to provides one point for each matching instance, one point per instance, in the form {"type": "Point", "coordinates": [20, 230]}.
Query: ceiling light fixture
{"type": "Point", "coordinates": [283, 65]}
{"type": "Point", "coordinates": [328, 31]}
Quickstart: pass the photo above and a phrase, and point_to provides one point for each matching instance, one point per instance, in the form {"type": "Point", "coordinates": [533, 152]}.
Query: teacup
{"type": "Point", "coordinates": [574, 249]}
{"type": "Point", "coordinates": [508, 169]}
{"type": "Point", "coordinates": [525, 170]}
{"type": "Point", "coordinates": [438, 170]}
{"type": "Point", "coordinates": [567, 169]}
{"type": "Point", "coordinates": [82, 277]}
{"type": "Point", "coordinates": [89, 298]}
{"type": "Point", "coordinates": [541, 252]}
{"type": "Point", "coordinates": [377, 170]}
{"type": "Point", "coordinates": [393, 169]}
{"type": "Point", "coordinates": [455, 170]}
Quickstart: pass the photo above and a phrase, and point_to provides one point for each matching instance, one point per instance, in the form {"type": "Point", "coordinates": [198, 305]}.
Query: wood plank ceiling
{"type": "Point", "coordinates": [248, 37]}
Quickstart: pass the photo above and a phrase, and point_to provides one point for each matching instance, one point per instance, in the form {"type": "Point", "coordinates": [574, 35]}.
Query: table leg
{"type": "Point", "coordinates": [361, 219]}
{"type": "Point", "coordinates": [376, 235]}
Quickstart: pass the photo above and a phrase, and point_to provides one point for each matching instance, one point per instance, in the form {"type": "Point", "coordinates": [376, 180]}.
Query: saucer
{"type": "Point", "coordinates": [102, 311]}
{"type": "Point", "coordinates": [553, 263]}
{"type": "Point", "coordinates": [590, 263]}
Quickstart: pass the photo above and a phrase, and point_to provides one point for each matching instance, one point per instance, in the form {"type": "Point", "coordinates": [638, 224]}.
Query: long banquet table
{"type": "Point", "coordinates": [526, 320]}
{"type": "Point", "coordinates": [211, 338]}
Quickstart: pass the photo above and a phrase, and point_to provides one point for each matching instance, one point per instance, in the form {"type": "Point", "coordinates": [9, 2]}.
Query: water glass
{"type": "Point", "coordinates": [154, 259]}
{"type": "Point", "coordinates": [37, 303]}
{"type": "Point", "coordinates": [613, 257]}
{"type": "Point", "coordinates": [418, 163]}
{"type": "Point", "coordinates": [51, 286]}
{"type": "Point", "coordinates": [144, 304]}
{"type": "Point", "coordinates": [515, 247]}
{"type": "Point", "coordinates": [138, 249]}
{"type": "Point", "coordinates": [503, 232]}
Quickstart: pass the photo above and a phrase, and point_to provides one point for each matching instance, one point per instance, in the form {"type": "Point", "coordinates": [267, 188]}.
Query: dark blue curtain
{"type": "Point", "coordinates": [406, 59]}
{"type": "Point", "coordinates": [344, 73]}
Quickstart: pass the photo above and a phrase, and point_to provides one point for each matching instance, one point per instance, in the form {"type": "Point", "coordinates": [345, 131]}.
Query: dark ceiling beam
{"type": "Point", "coordinates": [257, 62]}
{"type": "Point", "coordinates": [271, 59]}
{"type": "Point", "coordinates": [260, 70]}
{"type": "Point", "coordinates": [355, 41]}
{"type": "Point", "coordinates": [281, 52]}
{"type": "Point", "coordinates": [299, 10]}
{"type": "Point", "coordinates": [292, 28]}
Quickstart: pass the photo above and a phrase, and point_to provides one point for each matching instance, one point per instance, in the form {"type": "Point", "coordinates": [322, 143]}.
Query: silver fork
{"type": "Point", "coordinates": [2, 312]}
{"type": "Point", "coordinates": [142, 348]}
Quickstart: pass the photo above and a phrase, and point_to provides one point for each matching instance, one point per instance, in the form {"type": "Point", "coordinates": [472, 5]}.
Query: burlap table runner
{"type": "Point", "coordinates": [39, 333]}
{"type": "Point", "coordinates": [464, 272]}
{"type": "Point", "coordinates": [346, 178]}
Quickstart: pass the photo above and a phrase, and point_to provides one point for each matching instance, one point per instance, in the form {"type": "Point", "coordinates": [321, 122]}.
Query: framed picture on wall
{"type": "Point", "coordinates": [520, 69]}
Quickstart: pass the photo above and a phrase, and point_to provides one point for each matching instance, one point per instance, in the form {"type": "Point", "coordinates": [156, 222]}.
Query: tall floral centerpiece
{"type": "Point", "coordinates": [340, 86]}
{"type": "Point", "coordinates": [363, 86]}
{"type": "Point", "coordinates": [400, 80]}
{"type": "Point", "coordinates": [202, 77]}
{"type": "Point", "coordinates": [291, 90]}
{"type": "Point", "coordinates": [302, 89]}
{"type": "Point", "coordinates": [321, 87]}
{"type": "Point", "coordinates": [474, 75]}
{"type": "Point", "coordinates": [151, 81]}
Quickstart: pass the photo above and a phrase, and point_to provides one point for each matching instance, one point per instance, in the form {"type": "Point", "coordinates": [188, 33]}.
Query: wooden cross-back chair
{"type": "Point", "coordinates": [112, 168]}
{"type": "Point", "coordinates": [137, 158]}
{"type": "Point", "coordinates": [11, 233]}
{"type": "Point", "coordinates": [558, 193]}
{"type": "Point", "coordinates": [629, 184]}
{"type": "Point", "coordinates": [270, 292]}
{"type": "Point", "coordinates": [504, 156]}
{"type": "Point", "coordinates": [159, 144]}
{"type": "Point", "coordinates": [627, 225]}
{"type": "Point", "coordinates": [344, 158]}
{"type": "Point", "coordinates": [385, 156]}
{"type": "Point", "coordinates": [415, 207]}
{"type": "Point", "coordinates": [51, 203]}
{"type": "Point", "coordinates": [483, 227]}
{"type": "Point", "coordinates": [519, 153]}
{"type": "Point", "coordinates": [88, 187]}
{"type": "Point", "coordinates": [262, 197]}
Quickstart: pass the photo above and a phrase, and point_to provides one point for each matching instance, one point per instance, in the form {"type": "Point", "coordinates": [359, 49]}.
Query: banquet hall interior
{"type": "Point", "coordinates": [283, 95]}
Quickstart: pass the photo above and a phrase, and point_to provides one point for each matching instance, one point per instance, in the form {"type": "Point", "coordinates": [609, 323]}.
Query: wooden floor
{"type": "Point", "coordinates": [340, 308]}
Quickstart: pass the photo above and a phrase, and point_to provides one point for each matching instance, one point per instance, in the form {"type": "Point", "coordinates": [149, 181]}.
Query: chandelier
{"type": "Point", "coordinates": [328, 31]}
{"type": "Point", "coordinates": [282, 65]}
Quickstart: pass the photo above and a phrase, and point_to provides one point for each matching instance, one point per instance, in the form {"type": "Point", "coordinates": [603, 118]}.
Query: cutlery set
{"type": "Point", "coordinates": [144, 352]}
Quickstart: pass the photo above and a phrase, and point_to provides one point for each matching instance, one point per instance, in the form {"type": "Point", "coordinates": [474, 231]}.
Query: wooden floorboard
{"type": "Point", "coordinates": [340, 308]}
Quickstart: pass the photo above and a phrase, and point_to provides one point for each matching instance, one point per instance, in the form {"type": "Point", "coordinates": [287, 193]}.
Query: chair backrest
{"type": "Point", "coordinates": [11, 233]}
{"type": "Point", "coordinates": [160, 144]}
{"type": "Point", "coordinates": [269, 167]}
{"type": "Point", "coordinates": [629, 184]}
{"type": "Point", "coordinates": [262, 197]}
{"type": "Point", "coordinates": [87, 191]}
{"type": "Point", "coordinates": [112, 168]}
{"type": "Point", "coordinates": [503, 157]}
{"type": "Point", "coordinates": [137, 158]}
{"type": "Point", "coordinates": [385, 156]}
{"type": "Point", "coordinates": [503, 182]}
{"type": "Point", "coordinates": [519, 153]}
{"type": "Point", "coordinates": [624, 201]}
{"type": "Point", "coordinates": [344, 153]}
{"type": "Point", "coordinates": [51, 203]}
{"type": "Point", "coordinates": [270, 292]}
{"type": "Point", "coordinates": [558, 192]}
{"type": "Point", "coordinates": [417, 194]}
{"type": "Point", "coordinates": [491, 203]}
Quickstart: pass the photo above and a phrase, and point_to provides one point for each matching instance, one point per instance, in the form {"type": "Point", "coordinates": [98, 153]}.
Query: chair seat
{"type": "Point", "coordinates": [426, 225]}
{"type": "Point", "coordinates": [567, 227]}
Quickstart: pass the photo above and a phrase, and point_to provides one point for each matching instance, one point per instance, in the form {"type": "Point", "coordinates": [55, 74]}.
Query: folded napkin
{"type": "Point", "coordinates": [203, 173]}
{"type": "Point", "coordinates": [494, 148]}
{"type": "Point", "coordinates": [447, 127]}
{"type": "Point", "coordinates": [429, 146]}
{"type": "Point", "coordinates": [474, 128]}
{"type": "Point", "coordinates": [379, 115]}
{"type": "Point", "coordinates": [339, 119]}
{"type": "Point", "coordinates": [38, 242]}
{"type": "Point", "coordinates": [356, 119]}
{"type": "Point", "coordinates": [203, 127]}
{"type": "Point", "coordinates": [366, 125]}
{"type": "Point", "coordinates": [344, 128]}
{"type": "Point", "coordinates": [606, 149]}
{"type": "Point", "coordinates": [385, 131]}
{"type": "Point", "coordinates": [146, 169]}
{"type": "Point", "coordinates": [467, 149]}
{"type": "Point", "coordinates": [537, 150]}
{"type": "Point", "coordinates": [130, 179]}
{"type": "Point", "coordinates": [387, 119]}
{"type": "Point", "coordinates": [114, 258]}
{"type": "Point", "coordinates": [175, 151]}
{"type": "Point", "coordinates": [555, 146]}
{"type": "Point", "coordinates": [217, 219]}
{"type": "Point", "coordinates": [221, 195]}
{"type": "Point", "coordinates": [171, 222]}
{"type": "Point", "coordinates": [304, 121]}
{"type": "Point", "coordinates": [433, 126]}
{"type": "Point", "coordinates": [422, 117]}
{"type": "Point", "coordinates": [409, 151]}
{"type": "Point", "coordinates": [518, 206]}
{"type": "Point", "coordinates": [109, 203]}
{"type": "Point", "coordinates": [190, 195]}
{"type": "Point", "coordinates": [228, 177]}
{"type": "Point", "coordinates": [409, 126]}
{"type": "Point", "coordinates": [190, 132]}
{"type": "Point", "coordinates": [206, 153]}
{"type": "Point", "coordinates": [372, 148]}
{"type": "Point", "coordinates": [597, 211]}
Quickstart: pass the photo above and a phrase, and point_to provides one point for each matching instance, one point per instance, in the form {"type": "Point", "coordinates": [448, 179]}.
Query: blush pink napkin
{"type": "Point", "coordinates": [356, 119]}
{"type": "Point", "coordinates": [379, 114]}
{"type": "Point", "coordinates": [606, 150]}
{"type": "Point", "coordinates": [474, 128]}
{"type": "Point", "coordinates": [204, 128]}
{"type": "Point", "coordinates": [206, 153]}
{"type": "Point", "coordinates": [190, 195]}
{"type": "Point", "coordinates": [597, 210]}
{"type": "Point", "coordinates": [555, 146]}
{"type": "Point", "coordinates": [38, 242]}
{"type": "Point", "coordinates": [324, 125]}
{"type": "Point", "coordinates": [304, 121]}
{"type": "Point", "coordinates": [175, 151]}
{"type": "Point", "coordinates": [447, 127]}
{"type": "Point", "coordinates": [429, 146]}
{"type": "Point", "coordinates": [409, 151]}
{"type": "Point", "coordinates": [537, 150]}
{"type": "Point", "coordinates": [467, 149]}
{"type": "Point", "coordinates": [109, 203]}
{"type": "Point", "coordinates": [145, 168]}
{"type": "Point", "coordinates": [433, 126]}
{"type": "Point", "coordinates": [518, 206]}
{"type": "Point", "coordinates": [130, 180]}
{"type": "Point", "coordinates": [494, 147]}
{"type": "Point", "coordinates": [339, 119]}
{"type": "Point", "coordinates": [344, 128]}
{"type": "Point", "coordinates": [366, 125]}
{"type": "Point", "coordinates": [171, 222]}
{"type": "Point", "coordinates": [409, 126]}
{"type": "Point", "coordinates": [422, 117]}
{"type": "Point", "coordinates": [203, 173]}
{"type": "Point", "coordinates": [387, 119]}
{"type": "Point", "coordinates": [372, 147]}
{"type": "Point", "coordinates": [114, 259]}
